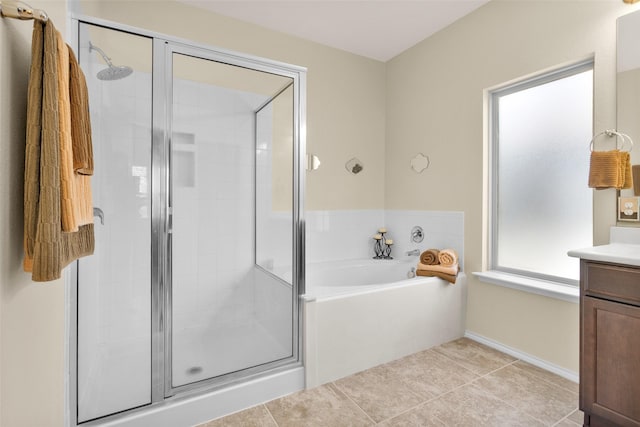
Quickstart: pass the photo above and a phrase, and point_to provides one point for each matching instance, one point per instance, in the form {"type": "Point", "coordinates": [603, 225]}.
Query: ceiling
{"type": "Point", "coordinates": [377, 29]}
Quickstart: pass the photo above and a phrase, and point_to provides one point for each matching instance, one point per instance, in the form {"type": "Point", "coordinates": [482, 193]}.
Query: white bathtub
{"type": "Point", "coordinates": [327, 279]}
{"type": "Point", "coordinates": [362, 313]}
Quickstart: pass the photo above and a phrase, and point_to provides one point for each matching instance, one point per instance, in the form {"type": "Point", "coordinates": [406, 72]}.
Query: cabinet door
{"type": "Point", "coordinates": [610, 361]}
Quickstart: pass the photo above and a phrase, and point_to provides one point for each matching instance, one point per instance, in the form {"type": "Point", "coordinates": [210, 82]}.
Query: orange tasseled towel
{"type": "Point", "coordinates": [80, 119]}
{"type": "Point", "coordinates": [70, 213]}
{"type": "Point", "coordinates": [77, 206]}
{"type": "Point", "coordinates": [47, 249]}
{"type": "Point", "coordinates": [81, 141]}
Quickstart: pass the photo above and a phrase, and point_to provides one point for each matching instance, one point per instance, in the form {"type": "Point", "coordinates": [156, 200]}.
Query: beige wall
{"type": "Point", "coordinates": [31, 314]}
{"type": "Point", "coordinates": [345, 94]}
{"type": "Point", "coordinates": [435, 106]}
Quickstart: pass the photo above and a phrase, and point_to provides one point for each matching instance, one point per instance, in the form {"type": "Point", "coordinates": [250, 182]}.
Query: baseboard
{"type": "Point", "coordinates": [536, 361]}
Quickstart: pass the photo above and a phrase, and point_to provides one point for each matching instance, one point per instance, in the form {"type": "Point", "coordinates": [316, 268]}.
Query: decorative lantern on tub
{"type": "Point", "coordinates": [382, 245]}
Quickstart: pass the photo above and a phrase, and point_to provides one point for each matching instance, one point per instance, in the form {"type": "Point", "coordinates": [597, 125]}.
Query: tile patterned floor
{"type": "Point", "coordinates": [460, 383]}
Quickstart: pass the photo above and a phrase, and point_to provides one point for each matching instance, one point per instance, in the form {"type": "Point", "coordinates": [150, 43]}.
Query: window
{"type": "Point", "coordinates": [540, 205]}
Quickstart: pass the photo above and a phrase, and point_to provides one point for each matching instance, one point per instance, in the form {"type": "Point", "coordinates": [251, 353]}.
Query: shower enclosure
{"type": "Point", "coordinates": [198, 265]}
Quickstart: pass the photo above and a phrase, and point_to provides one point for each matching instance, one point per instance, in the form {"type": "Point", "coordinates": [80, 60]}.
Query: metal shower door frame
{"type": "Point", "coordinates": [162, 130]}
{"type": "Point", "coordinates": [163, 48]}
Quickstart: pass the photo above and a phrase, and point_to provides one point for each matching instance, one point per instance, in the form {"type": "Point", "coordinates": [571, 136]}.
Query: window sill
{"type": "Point", "coordinates": [546, 288]}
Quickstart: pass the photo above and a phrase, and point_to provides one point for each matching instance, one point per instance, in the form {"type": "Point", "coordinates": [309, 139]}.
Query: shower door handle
{"type": "Point", "coordinates": [169, 220]}
{"type": "Point", "coordinates": [98, 212]}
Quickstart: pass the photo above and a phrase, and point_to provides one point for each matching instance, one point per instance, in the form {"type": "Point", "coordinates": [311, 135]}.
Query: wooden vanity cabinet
{"type": "Point", "coordinates": [610, 344]}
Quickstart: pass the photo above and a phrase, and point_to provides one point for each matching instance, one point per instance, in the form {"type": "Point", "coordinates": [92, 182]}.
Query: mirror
{"type": "Point", "coordinates": [628, 102]}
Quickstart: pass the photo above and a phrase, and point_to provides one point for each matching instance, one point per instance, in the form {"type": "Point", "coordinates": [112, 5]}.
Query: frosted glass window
{"type": "Point", "coordinates": [541, 204]}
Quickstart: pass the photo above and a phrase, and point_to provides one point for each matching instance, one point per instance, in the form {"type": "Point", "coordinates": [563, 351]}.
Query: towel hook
{"type": "Point", "coordinates": [21, 10]}
{"type": "Point", "coordinates": [610, 133]}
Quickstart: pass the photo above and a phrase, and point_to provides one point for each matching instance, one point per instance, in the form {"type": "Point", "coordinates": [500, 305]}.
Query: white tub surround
{"type": "Point", "coordinates": [347, 234]}
{"type": "Point", "coordinates": [442, 229]}
{"type": "Point", "coordinates": [360, 312]}
{"type": "Point", "coordinates": [343, 234]}
{"type": "Point", "coordinates": [353, 326]}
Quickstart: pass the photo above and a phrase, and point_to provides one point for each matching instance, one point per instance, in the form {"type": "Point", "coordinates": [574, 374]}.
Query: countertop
{"type": "Point", "coordinates": [617, 253]}
{"type": "Point", "coordinates": [623, 249]}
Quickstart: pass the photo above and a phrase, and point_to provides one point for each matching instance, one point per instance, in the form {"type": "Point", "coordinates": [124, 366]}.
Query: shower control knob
{"type": "Point", "coordinates": [417, 234]}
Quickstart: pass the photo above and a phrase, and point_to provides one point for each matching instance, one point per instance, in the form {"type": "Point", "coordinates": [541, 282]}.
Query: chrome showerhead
{"type": "Point", "coordinates": [113, 72]}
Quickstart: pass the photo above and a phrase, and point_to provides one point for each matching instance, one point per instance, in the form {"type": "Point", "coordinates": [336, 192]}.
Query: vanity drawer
{"type": "Point", "coordinates": [611, 282]}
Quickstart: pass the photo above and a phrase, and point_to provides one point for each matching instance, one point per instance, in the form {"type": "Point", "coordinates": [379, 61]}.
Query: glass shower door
{"type": "Point", "coordinates": [193, 280]}
{"type": "Point", "coordinates": [114, 285]}
{"type": "Point", "coordinates": [229, 311]}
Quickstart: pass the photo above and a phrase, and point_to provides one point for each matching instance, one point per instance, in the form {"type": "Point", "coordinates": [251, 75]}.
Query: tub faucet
{"type": "Point", "coordinates": [415, 252]}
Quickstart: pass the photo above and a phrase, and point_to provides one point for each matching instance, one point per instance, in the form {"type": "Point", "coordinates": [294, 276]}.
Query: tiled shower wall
{"type": "Point", "coordinates": [213, 162]}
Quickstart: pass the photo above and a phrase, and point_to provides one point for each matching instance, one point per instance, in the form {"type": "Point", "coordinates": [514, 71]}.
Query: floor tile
{"type": "Point", "coordinates": [460, 383]}
{"type": "Point", "coordinates": [413, 418]}
{"type": "Point", "coordinates": [468, 405]}
{"type": "Point", "coordinates": [379, 392]}
{"type": "Point", "coordinates": [258, 416]}
{"type": "Point", "coordinates": [322, 406]}
{"type": "Point", "coordinates": [430, 374]}
{"type": "Point", "coordinates": [474, 356]}
{"type": "Point", "coordinates": [530, 394]}
{"type": "Point", "coordinates": [548, 376]}
{"type": "Point", "coordinates": [567, 423]}
{"type": "Point", "coordinates": [577, 416]}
